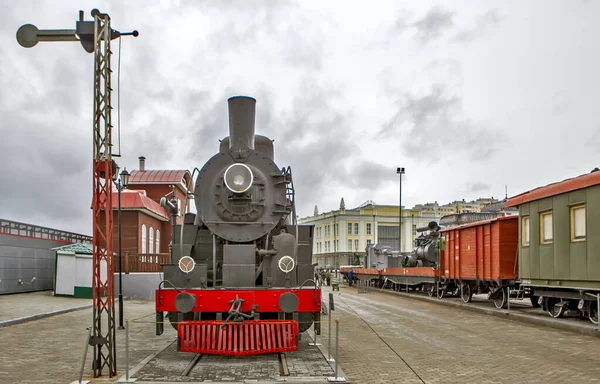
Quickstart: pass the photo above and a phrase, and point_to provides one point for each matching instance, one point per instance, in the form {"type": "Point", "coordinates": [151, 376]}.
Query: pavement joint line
{"type": "Point", "coordinates": [143, 363]}
{"type": "Point", "coordinates": [513, 315]}
{"type": "Point", "coordinates": [38, 316]}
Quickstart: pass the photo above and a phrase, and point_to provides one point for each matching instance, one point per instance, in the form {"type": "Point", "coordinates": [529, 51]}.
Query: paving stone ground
{"type": "Point", "coordinates": [50, 350]}
{"type": "Point", "coordinates": [384, 338]}
{"type": "Point", "coordinates": [392, 339]}
{"type": "Point", "coordinates": [28, 304]}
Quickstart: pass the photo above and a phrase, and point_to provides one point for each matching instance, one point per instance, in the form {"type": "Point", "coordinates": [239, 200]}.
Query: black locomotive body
{"type": "Point", "coordinates": [242, 257]}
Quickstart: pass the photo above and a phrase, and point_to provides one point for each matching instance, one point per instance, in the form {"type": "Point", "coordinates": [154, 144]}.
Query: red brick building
{"type": "Point", "coordinates": [145, 225]}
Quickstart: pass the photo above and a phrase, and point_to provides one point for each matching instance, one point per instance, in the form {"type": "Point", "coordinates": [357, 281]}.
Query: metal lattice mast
{"type": "Point", "coordinates": [95, 37]}
{"type": "Point", "coordinates": [103, 281]}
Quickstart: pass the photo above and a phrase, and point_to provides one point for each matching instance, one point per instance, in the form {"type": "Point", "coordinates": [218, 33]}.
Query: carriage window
{"type": "Point", "coordinates": [578, 231]}
{"type": "Point", "coordinates": [546, 227]}
{"type": "Point", "coordinates": [525, 231]}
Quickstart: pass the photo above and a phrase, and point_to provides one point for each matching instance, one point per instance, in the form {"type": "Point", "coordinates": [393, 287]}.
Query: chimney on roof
{"type": "Point", "coordinates": [142, 163]}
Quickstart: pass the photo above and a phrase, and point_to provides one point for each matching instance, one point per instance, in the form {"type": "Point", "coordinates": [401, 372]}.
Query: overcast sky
{"type": "Point", "coordinates": [466, 95]}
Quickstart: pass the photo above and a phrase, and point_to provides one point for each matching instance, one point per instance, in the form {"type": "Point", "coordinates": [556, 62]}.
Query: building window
{"type": "Point", "coordinates": [578, 231]}
{"type": "Point", "coordinates": [349, 245]}
{"type": "Point", "coordinates": [356, 228]}
{"type": "Point", "coordinates": [356, 245]}
{"type": "Point", "coordinates": [368, 228]}
{"type": "Point", "coordinates": [368, 241]}
{"type": "Point", "coordinates": [157, 241]}
{"type": "Point", "coordinates": [525, 231]}
{"type": "Point", "coordinates": [151, 240]}
{"type": "Point", "coordinates": [327, 261]}
{"type": "Point", "coordinates": [414, 230]}
{"type": "Point", "coordinates": [179, 207]}
{"type": "Point", "coordinates": [546, 227]}
{"type": "Point", "coordinates": [143, 238]}
{"type": "Point", "coordinates": [349, 228]}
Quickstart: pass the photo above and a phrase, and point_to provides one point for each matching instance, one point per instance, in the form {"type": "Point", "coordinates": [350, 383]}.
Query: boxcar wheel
{"type": "Point", "coordinates": [500, 301]}
{"type": "Point", "coordinates": [467, 293]}
{"type": "Point", "coordinates": [430, 290]}
{"type": "Point", "coordinates": [440, 293]}
{"type": "Point", "coordinates": [594, 314]}
{"type": "Point", "coordinates": [554, 310]}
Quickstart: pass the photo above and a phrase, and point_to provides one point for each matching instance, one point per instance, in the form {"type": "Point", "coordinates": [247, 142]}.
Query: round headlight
{"type": "Point", "coordinates": [238, 178]}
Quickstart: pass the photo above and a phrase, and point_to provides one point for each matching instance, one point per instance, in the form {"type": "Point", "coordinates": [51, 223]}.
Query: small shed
{"type": "Point", "coordinates": [73, 273]}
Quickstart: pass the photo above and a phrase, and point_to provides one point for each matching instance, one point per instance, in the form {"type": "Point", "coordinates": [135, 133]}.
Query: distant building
{"type": "Point", "coordinates": [341, 236]}
{"type": "Point", "coordinates": [145, 225]}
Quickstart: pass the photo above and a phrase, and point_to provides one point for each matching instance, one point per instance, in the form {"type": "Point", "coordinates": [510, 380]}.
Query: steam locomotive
{"type": "Point", "coordinates": [240, 279]}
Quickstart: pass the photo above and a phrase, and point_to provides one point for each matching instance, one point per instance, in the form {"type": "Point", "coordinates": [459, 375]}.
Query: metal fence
{"type": "Point", "coordinates": [15, 228]}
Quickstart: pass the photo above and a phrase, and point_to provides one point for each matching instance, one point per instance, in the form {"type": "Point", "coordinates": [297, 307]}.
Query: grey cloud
{"type": "Point", "coordinates": [435, 22]}
{"type": "Point", "coordinates": [435, 128]}
{"type": "Point", "coordinates": [482, 25]}
{"type": "Point", "coordinates": [478, 187]}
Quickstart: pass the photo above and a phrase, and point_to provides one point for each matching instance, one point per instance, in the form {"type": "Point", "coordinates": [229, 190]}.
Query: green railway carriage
{"type": "Point", "coordinates": [559, 253]}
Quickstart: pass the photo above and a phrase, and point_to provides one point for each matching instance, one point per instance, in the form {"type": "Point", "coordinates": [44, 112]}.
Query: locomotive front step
{"type": "Point", "coordinates": [249, 337]}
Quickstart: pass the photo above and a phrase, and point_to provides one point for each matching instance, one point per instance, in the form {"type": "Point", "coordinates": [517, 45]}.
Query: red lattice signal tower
{"type": "Point", "coordinates": [95, 37]}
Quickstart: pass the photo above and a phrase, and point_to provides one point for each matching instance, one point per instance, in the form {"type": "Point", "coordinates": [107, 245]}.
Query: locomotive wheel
{"type": "Point", "coordinates": [467, 293]}
{"type": "Point", "coordinates": [500, 301]}
{"type": "Point", "coordinates": [554, 310]}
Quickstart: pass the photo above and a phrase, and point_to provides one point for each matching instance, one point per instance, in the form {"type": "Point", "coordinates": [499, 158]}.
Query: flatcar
{"type": "Point", "coordinates": [241, 279]}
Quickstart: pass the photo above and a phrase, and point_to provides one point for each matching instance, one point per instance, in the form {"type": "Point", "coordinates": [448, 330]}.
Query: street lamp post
{"type": "Point", "coordinates": [121, 184]}
{"type": "Point", "coordinates": [400, 172]}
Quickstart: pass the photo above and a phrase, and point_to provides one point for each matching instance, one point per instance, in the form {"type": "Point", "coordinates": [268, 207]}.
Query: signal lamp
{"type": "Point", "coordinates": [238, 178]}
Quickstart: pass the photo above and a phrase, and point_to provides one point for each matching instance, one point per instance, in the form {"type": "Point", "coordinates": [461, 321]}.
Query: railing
{"type": "Point", "coordinates": [15, 228]}
{"type": "Point", "coordinates": [142, 262]}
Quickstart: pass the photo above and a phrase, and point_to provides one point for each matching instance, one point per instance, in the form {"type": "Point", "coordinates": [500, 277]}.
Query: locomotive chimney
{"type": "Point", "coordinates": [142, 163]}
{"type": "Point", "coordinates": [242, 110]}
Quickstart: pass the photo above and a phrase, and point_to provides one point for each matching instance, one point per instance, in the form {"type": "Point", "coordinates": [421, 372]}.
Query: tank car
{"type": "Point", "coordinates": [240, 279]}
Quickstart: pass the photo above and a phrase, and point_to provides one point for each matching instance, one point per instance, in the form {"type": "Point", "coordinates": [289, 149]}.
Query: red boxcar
{"type": "Point", "coordinates": [481, 257]}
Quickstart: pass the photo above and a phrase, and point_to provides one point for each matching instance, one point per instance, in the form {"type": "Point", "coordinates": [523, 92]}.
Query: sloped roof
{"type": "Point", "coordinates": [157, 176]}
{"type": "Point", "coordinates": [568, 185]}
{"type": "Point", "coordinates": [133, 199]}
{"type": "Point", "coordinates": [79, 248]}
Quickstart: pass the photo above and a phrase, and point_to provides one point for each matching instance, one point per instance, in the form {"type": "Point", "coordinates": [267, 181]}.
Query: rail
{"type": "Point", "coordinates": [142, 262]}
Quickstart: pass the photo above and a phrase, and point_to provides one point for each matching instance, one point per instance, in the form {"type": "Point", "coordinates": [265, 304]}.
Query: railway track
{"type": "Point", "coordinates": [305, 365]}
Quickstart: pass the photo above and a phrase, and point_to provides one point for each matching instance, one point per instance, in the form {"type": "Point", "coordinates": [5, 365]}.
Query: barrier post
{"type": "Point", "coordinates": [508, 298]}
{"type": "Point", "coordinates": [85, 351]}
{"type": "Point", "coordinates": [336, 378]}
{"type": "Point", "coordinates": [127, 379]}
{"type": "Point", "coordinates": [329, 331]}
{"type": "Point", "coordinates": [314, 343]}
{"type": "Point", "coordinates": [598, 310]}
